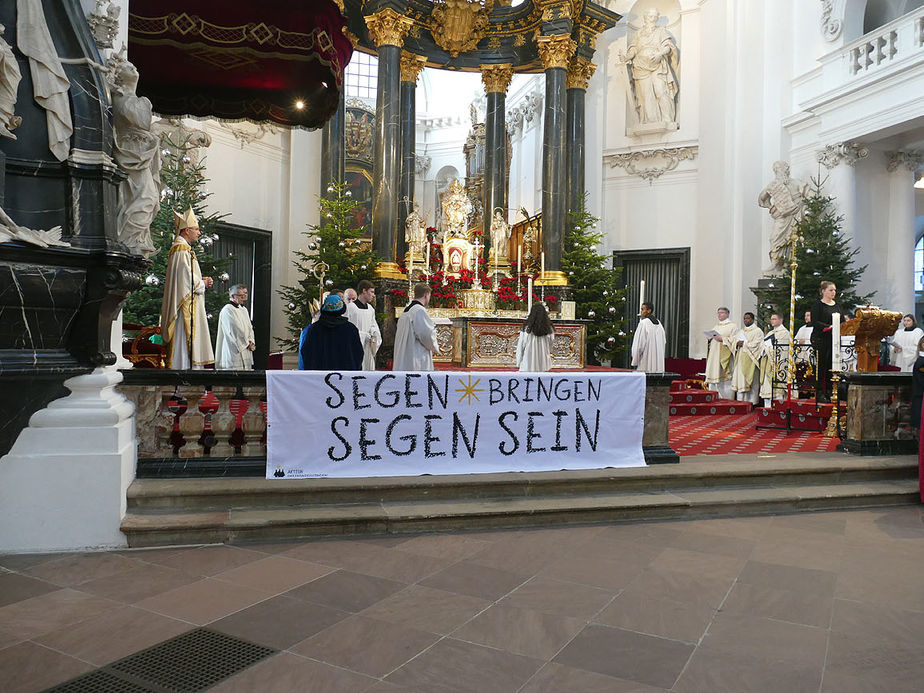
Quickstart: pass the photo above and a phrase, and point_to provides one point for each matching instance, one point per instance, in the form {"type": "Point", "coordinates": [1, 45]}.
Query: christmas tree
{"type": "Point", "coordinates": [338, 244]}
{"type": "Point", "coordinates": [594, 288]}
{"type": "Point", "coordinates": [822, 254]}
{"type": "Point", "coordinates": [182, 180]}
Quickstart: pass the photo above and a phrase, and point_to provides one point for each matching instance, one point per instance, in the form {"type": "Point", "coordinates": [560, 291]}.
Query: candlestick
{"type": "Point", "coordinates": [641, 295]}
{"type": "Point", "coordinates": [835, 341]}
{"type": "Point", "coordinates": [529, 294]}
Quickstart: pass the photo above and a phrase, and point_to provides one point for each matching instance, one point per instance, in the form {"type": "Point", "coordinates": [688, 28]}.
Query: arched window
{"type": "Point", "coordinates": [361, 76]}
{"type": "Point", "coordinates": [919, 265]}
{"type": "Point", "coordinates": [880, 12]}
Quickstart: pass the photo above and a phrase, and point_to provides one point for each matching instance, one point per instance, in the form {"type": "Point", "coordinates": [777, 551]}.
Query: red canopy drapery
{"type": "Point", "coordinates": [261, 60]}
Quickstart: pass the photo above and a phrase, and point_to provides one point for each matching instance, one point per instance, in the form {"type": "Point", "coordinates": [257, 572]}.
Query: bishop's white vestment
{"type": "Point", "coordinates": [534, 353]}
{"type": "Point", "coordinates": [363, 316]}
{"type": "Point", "coordinates": [648, 346]}
{"type": "Point", "coordinates": [908, 340]}
{"type": "Point", "coordinates": [770, 363]}
{"type": "Point", "coordinates": [415, 340]}
{"type": "Point", "coordinates": [720, 357]}
{"type": "Point", "coordinates": [182, 312]}
{"type": "Point", "coordinates": [747, 357]}
{"type": "Point", "coordinates": [235, 335]}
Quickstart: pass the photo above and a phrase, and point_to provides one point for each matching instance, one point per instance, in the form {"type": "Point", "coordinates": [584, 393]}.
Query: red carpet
{"type": "Point", "coordinates": [736, 434]}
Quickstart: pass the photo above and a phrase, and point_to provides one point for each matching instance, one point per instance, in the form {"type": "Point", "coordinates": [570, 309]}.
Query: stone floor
{"type": "Point", "coordinates": [829, 602]}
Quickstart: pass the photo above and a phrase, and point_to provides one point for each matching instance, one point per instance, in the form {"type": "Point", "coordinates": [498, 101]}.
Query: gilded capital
{"type": "Point", "coordinates": [580, 70]}
{"type": "Point", "coordinates": [555, 50]}
{"type": "Point", "coordinates": [496, 78]}
{"type": "Point", "coordinates": [411, 65]}
{"type": "Point", "coordinates": [388, 28]}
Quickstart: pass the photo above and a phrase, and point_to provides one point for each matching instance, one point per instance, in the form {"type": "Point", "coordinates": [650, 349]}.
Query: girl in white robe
{"type": "Point", "coordinates": [905, 343]}
{"type": "Point", "coordinates": [534, 348]}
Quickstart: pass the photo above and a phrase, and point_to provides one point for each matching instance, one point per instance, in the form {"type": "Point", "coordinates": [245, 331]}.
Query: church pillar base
{"type": "Point", "coordinates": [552, 278]}
{"type": "Point", "coordinates": [388, 270]}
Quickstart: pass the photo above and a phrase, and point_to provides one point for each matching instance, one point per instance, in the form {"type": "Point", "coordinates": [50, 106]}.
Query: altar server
{"type": "Point", "coordinates": [905, 343]}
{"type": "Point", "coordinates": [774, 361]}
{"type": "Point", "coordinates": [183, 321]}
{"type": "Point", "coordinates": [332, 343]}
{"type": "Point", "coordinates": [235, 342]}
{"type": "Point", "coordinates": [720, 359]}
{"type": "Point", "coordinates": [361, 313]}
{"type": "Point", "coordinates": [415, 338]}
{"type": "Point", "coordinates": [534, 347]}
{"type": "Point", "coordinates": [749, 348]}
{"type": "Point", "coordinates": [649, 342]}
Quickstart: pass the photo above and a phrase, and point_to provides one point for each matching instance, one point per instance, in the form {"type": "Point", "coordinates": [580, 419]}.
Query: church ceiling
{"type": "Point", "coordinates": [466, 34]}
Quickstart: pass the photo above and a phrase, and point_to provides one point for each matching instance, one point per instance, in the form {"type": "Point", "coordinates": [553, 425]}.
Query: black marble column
{"type": "Point", "coordinates": [554, 172]}
{"type": "Point", "coordinates": [332, 148]}
{"type": "Point", "coordinates": [408, 158]}
{"type": "Point", "coordinates": [495, 159]}
{"type": "Point", "coordinates": [575, 155]}
{"type": "Point", "coordinates": [386, 159]}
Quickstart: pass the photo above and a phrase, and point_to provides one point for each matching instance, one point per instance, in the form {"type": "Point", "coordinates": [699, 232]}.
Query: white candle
{"type": "Point", "coordinates": [427, 252]}
{"type": "Point", "coordinates": [542, 260]}
{"type": "Point", "coordinates": [835, 341]}
{"type": "Point", "coordinates": [519, 259]}
{"type": "Point", "coordinates": [641, 294]}
{"type": "Point", "coordinates": [529, 294]}
{"type": "Point", "coordinates": [410, 267]}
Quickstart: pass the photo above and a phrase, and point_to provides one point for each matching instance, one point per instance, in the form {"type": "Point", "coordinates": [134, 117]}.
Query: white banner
{"type": "Point", "coordinates": [383, 423]}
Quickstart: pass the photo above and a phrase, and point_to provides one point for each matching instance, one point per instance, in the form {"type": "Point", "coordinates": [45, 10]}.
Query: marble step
{"type": "Point", "coordinates": [274, 523]}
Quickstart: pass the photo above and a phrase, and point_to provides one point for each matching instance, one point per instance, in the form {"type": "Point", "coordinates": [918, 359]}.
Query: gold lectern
{"type": "Point", "coordinates": [870, 325]}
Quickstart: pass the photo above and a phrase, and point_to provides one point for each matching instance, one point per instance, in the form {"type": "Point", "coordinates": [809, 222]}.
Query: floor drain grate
{"type": "Point", "coordinates": [189, 663]}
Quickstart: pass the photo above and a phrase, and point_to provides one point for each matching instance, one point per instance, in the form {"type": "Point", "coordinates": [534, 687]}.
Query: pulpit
{"type": "Point", "coordinates": [869, 327]}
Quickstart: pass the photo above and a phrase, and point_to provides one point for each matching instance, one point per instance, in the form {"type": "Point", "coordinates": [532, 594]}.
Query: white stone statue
{"type": "Point", "coordinates": [500, 234]}
{"type": "Point", "coordinates": [415, 233]}
{"type": "Point", "coordinates": [456, 210]}
{"type": "Point", "coordinates": [11, 231]}
{"type": "Point", "coordinates": [137, 152]}
{"type": "Point", "coordinates": [9, 86]}
{"type": "Point", "coordinates": [784, 197]}
{"type": "Point", "coordinates": [49, 83]}
{"type": "Point", "coordinates": [654, 66]}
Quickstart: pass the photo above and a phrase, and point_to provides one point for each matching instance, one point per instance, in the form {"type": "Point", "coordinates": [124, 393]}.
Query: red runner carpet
{"type": "Point", "coordinates": [731, 435]}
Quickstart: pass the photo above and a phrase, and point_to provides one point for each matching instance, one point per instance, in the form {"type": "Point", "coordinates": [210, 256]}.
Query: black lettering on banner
{"type": "Point", "coordinates": [512, 385]}
{"type": "Point", "coordinates": [411, 438]}
{"type": "Point", "coordinates": [531, 431]}
{"type": "Point", "coordinates": [543, 389]}
{"type": "Point", "coordinates": [526, 397]}
{"type": "Point", "coordinates": [347, 448]}
{"type": "Point", "coordinates": [559, 415]}
{"type": "Point", "coordinates": [458, 430]}
{"type": "Point", "coordinates": [433, 388]}
{"type": "Point", "coordinates": [558, 395]}
{"type": "Point", "coordinates": [580, 423]}
{"type": "Point", "coordinates": [578, 393]}
{"type": "Point", "coordinates": [516, 442]}
{"type": "Point", "coordinates": [408, 392]}
{"type": "Point", "coordinates": [327, 381]}
{"type": "Point", "coordinates": [364, 442]}
{"type": "Point", "coordinates": [495, 390]}
{"type": "Point", "coordinates": [429, 437]}
{"type": "Point", "coordinates": [357, 395]}
{"type": "Point", "coordinates": [592, 391]}
{"type": "Point", "coordinates": [393, 393]}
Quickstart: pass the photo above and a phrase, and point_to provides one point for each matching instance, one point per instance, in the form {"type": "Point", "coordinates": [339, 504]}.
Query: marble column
{"type": "Point", "coordinates": [579, 72]}
{"type": "Point", "coordinates": [332, 148]}
{"type": "Point", "coordinates": [556, 52]}
{"type": "Point", "coordinates": [411, 65]}
{"type": "Point", "coordinates": [387, 29]}
{"type": "Point", "coordinates": [496, 79]}
{"type": "Point", "coordinates": [840, 160]}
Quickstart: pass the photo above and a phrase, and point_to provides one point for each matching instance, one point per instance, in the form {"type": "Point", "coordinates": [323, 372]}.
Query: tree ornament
{"type": "Point", "coordinates": [341, 244]}
{"type": "Point", "coordinates": [329, 283]}
{"type": "Point", "coordinates": [151, 280]}
{"type": "Point", "coordinates": [224, 276]}
{"type": "Point", "coordinates": [348, 194]}
{"type": "Point", "coordinates": [291, 306]}
{"type": "Point", "coordinates": [612, 310]}
{"type": "Point", "coordinates": [312, 246]}
{"type": "Point", "coordinates": [611, 341]}
{"type": "Point", "coordinates": [591, 314]}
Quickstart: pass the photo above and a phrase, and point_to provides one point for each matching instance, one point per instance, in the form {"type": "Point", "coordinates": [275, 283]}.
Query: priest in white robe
{"type": "Point", "coordinates": [235, 342]}
{"type": "Point", "coordinates": [649, 342]}
{"type": "Point", "coordinates": [361, 313]}
{"type": "Point", "coordinates": [749, 348]}
{"type": "Point", "coordinates": [183, 321]}
{"type": "Point", "coordinates": [775, 360]}
{"type": "Point", "coordinates": [720, 359]}
{"type": "Point", "coordinates": [415, 338]}
{"type": "Point", "coordinates": [905, 342]}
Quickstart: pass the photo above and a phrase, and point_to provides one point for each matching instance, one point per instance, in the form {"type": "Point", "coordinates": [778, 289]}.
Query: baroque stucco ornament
{"type": "Point", "coordinates": [388, 28]}
{"type": "Point", "coordinates": [458, 25]}
{"type": "Point", "coordinates": [832, 15]}
{"type": "Point", "coordinates": [844, 152]}
{"type": "Point", "coordinates": [910, 160]}
{"type": "Point", "coordinates": [652, 163]}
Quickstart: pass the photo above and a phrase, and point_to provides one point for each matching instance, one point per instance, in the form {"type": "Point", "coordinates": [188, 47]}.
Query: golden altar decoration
{"type": "Point", "coordinates": [869, 326]}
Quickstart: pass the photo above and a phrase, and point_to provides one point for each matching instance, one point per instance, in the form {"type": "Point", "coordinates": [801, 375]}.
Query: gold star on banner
{"type": "Point", "coordinates": [469, 389]}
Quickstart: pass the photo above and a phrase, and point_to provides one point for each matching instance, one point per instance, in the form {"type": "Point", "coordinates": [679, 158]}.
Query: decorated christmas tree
{"type": "Point", "coordinates": [594, 288]}
{"type": "Point", "coordinates": [182, 181]}
{"type": "Point", "coordinates": [822, 254]}
{"type": "Point", "coordinates": [336, 246]}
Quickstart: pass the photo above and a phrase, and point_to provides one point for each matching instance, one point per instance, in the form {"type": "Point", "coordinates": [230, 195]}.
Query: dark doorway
{"type": "Point", "coordinates": [667, 284]}
{"type": "Point", "coordinates": [249, 251]}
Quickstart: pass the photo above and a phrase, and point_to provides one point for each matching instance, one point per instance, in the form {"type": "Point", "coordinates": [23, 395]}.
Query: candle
{"type": "Point", "coordinates": [529, 294]}
{"type": "Point", "coordinates": [542, 260]}
{"type": "Point", "coordinates": [519, 258]}
{"type": "Point", "coordinates": [641, 294]}
{"type": "Point", "coordinates": [835, 341]}
{"type": "Point", "coordinates": [427, 251]}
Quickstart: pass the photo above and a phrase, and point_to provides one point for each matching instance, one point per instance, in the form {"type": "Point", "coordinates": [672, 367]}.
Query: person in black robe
{"type": "Point", "coordinates": [823, 310]}
{"type": "Point", "coordinates": [332, 343]}
{"type": "Point", "coordinates": [917, 387]}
